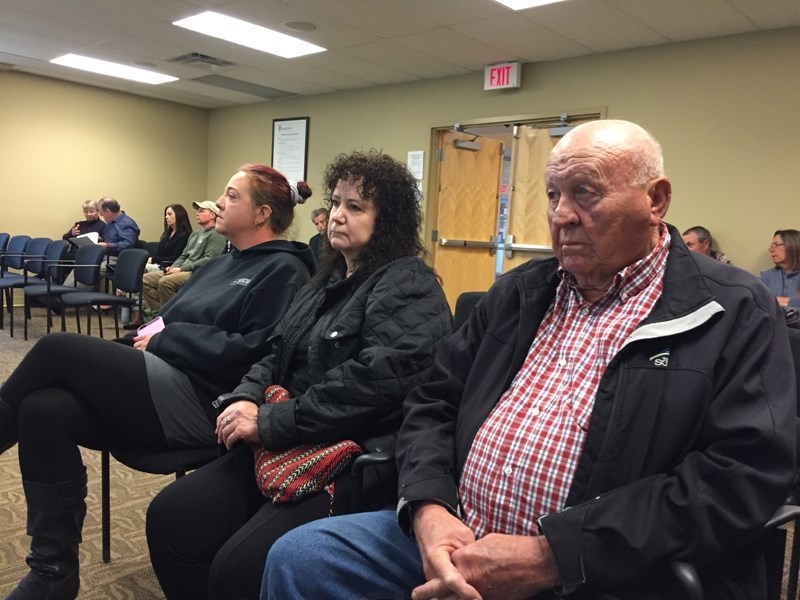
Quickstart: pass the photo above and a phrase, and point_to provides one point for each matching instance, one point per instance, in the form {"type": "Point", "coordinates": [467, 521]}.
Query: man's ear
{"type": "Point", "coordinates": [660, 193]}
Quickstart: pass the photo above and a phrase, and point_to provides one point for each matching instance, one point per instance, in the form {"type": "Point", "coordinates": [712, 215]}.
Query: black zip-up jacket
{"type": "Point", "coordinates": [685, 458]}
{"type": "Point", "coordinates": [348, 355]}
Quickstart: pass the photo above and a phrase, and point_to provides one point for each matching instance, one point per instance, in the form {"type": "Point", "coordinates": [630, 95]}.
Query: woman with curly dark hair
{"type": "Point", "coordinates": [357, 339]}
{"type": "Point", "coordinates": [378, 176]}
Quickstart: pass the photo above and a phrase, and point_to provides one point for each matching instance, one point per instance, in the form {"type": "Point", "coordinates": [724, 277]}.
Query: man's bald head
{"type": "Point", "coordinates": [638, 149]}
{"type": "Point", "coordinates": [606, 197]}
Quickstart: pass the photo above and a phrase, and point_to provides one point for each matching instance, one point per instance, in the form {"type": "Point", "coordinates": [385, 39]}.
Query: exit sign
{"type": "Point", "coordinates": [502, 76]}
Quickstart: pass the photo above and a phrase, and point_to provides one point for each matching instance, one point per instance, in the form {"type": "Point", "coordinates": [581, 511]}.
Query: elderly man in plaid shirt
{"type": "Point", "coordinates": [602, 413]}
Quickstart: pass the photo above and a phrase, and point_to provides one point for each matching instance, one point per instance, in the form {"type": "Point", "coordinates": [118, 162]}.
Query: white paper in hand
{"type": "Point", "coordinates": [86, 239]}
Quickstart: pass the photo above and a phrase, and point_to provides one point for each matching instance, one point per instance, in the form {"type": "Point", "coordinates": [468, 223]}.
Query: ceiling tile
{"type": "Point", "coordinates": [49, 30]}
{"type": "Point", "coordinates": [290, 80]}
{"type": "Point", "coordinates": [685, 19]}
{"type": "Point", "coordinates": [404, 59]}
{"type": "Point", "coordinates": [522, 38]}
{"type": "Point", "coordinates": [452, 12]}
{"type": "Point", "coordinates": [769, 15]}
{"type": "Point", "coordinates": [594, 24]}
{"type": "Point", "coordinates": [455, 47]}
{"type": "Point", "coordinates": [380, 17]}
{"type": "Point", "coordinates": [350, 66]}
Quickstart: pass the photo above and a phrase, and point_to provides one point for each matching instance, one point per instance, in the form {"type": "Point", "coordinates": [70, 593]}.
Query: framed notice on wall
{"type": "Point", "coordinates": [290, 147]}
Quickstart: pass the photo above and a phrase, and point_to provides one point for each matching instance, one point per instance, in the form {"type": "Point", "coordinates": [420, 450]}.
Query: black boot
{"type": "Point", "coordinates": [55, 519]}
{"type": "Point", "coordinates": [8, 426]}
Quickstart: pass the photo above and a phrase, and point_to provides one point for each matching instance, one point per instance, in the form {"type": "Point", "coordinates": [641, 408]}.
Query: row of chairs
{"type": "Point", "coordinates": [22, 263]}
{"type": "Point", "coordinates": [37, 265]}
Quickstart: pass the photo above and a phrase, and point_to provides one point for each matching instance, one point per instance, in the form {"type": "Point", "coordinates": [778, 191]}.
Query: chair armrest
{"type": "Point", "coordinates": [28, 259]}
{"type": "Point", "coordinates": [68, 263]}
{"type": "Point", "coordinates": [786, 513]}
{"type": "Point", "coordinates": [365, 460]}
{"type": "Point", "coordinates": [684, 575]}
{"type": "Point", "coordinates": [5, 255]}
{"type": "Point", "coordinates": [57, 264]}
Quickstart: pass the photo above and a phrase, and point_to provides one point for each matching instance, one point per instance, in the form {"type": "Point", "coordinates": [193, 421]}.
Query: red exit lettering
{"type": "Point", "coordinates": [500, 76]}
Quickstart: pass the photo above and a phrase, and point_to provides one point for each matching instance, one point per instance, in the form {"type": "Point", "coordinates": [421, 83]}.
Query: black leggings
{"type": "Point", "coordinates": [75, 390]}
{"type": "Point", "coordinates": [209, 532]}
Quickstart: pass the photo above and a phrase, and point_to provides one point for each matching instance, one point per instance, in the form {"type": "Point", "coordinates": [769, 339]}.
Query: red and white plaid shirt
{"type": "Point", "coordinates": [524, 455]}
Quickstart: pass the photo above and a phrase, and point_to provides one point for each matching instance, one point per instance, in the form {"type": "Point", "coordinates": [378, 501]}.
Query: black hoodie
{"type": "Point", "coordinates": [217, 323]}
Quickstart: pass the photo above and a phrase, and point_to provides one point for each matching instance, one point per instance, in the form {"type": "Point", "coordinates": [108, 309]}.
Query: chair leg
{"type": "Point", "coordinates": [774, 550]}
{"type": "Point", "coordinates": [100, 320]}
{"type": "Point", "coordinates": [26, 316]}
{"type": "Point", "coordinates": [78, 319]}
{"type": "Point", "coordinates": [11, 314]}
{"type": "Point", "coordinates": [794, 562]}
{"type": "Point", "coordinates": [105, 502]}
{"type": "Point", "coordinates": [49, 319]}
{"type": "Point", "coordinates": [116, 310]}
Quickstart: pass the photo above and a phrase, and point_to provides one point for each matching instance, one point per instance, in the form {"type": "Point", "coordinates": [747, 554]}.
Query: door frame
{"type": "Point", "coordinates": [543, 119]}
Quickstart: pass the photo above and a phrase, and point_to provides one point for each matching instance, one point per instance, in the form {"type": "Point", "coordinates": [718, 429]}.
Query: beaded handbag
{"type": "Point", "coordinates": [289, 475]}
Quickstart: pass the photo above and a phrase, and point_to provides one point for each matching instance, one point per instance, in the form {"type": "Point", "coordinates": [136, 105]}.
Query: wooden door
{"type": "Point", "coordinates": [528, 230]}
{"type": "Point", "coordinates": [465, 211]}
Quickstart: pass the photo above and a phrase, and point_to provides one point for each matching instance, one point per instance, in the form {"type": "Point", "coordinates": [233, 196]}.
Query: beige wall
{"type": "Point", "coordinates": [63, 143]}
{"type": "Point", "coordinates": [724, 110]}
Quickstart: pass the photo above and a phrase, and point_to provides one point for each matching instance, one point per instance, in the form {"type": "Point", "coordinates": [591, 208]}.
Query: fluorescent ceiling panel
{"type": "Point", "coordinates": [104, 67]}
{"type": "Point", "coordinates": [523, 4]}
{"type": "Point", "coordinates": [247, 34]}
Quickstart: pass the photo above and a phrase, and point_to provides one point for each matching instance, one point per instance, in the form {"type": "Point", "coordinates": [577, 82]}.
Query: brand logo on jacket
{"type": "Point", "coordinates": [661, 359]}
{"type": "Point", "coordinates": [243, 281]}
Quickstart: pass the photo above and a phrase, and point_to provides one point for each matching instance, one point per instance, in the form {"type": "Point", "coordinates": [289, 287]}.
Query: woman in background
{"type": "Point", "coordinates": [92, 223]}
{"type": "Point", "coordinates": [784, 278]}
{"type": "Point", "coordinates": [73, 391]}
{"type": "Point", "coordinates": [177, 229]}
{"type": "Point", "coordinates": [354, 342]}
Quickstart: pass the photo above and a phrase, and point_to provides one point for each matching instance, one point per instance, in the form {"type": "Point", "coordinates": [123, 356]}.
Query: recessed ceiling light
{"type": "Point", "coordinates": [248, 34]}
{"type": "Point", "coordinates": [522, 4]}
{"type": "Point", "coordinates": [111, 69]}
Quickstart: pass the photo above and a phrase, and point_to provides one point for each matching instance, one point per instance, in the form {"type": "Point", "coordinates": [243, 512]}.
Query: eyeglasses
{"type": "Point", "coordinates": [773, 246]}
{"type": "Point", "coordinates": [89, 211]}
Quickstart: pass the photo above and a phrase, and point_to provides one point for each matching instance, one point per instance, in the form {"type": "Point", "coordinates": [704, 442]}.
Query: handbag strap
{"type": "Point", "coordinates": [274, 394]}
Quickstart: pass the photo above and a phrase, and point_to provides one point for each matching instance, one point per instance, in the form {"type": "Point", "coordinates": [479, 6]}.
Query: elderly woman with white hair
{"type": "Point", "coordinates": [92, 223]}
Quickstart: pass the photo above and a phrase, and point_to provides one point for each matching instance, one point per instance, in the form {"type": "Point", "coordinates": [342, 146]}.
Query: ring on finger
{"type": "Point", "coordinates": [227, 420]}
